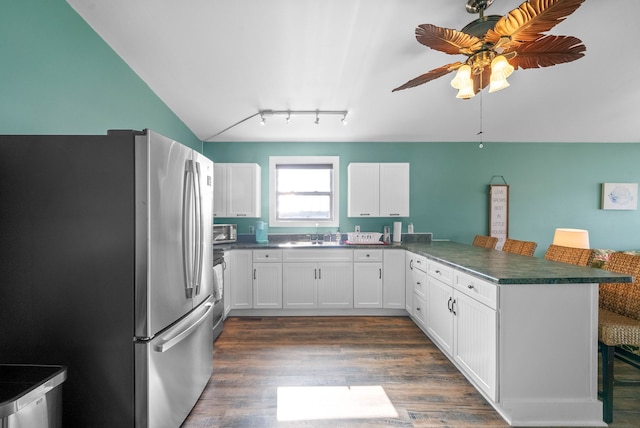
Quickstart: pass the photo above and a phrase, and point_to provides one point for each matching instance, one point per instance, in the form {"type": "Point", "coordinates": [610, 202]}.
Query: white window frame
{"type": "Point", "coordinates": [301, 160]}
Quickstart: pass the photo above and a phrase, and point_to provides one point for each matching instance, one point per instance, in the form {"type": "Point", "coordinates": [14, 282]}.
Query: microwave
{"type": "Point", "coordinates": [225, 233]}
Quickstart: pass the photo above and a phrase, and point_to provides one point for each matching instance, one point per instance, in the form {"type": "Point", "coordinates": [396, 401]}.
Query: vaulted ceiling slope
{"type": "Point", "coordinates": [216, 63]}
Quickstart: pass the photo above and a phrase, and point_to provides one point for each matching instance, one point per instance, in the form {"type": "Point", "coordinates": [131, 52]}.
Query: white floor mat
{"type": "Point", "coordinates": [297, 403]}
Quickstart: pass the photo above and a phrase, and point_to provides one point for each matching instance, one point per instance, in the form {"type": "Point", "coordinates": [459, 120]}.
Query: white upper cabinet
{"type": "Point", "coordinates": [378, 190]}
{"type": "Point", "coordinates": [236, 190]}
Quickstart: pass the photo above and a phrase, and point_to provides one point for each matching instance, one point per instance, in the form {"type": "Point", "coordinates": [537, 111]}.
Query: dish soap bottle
{"type": "Point", "coordinates": [338, 236]}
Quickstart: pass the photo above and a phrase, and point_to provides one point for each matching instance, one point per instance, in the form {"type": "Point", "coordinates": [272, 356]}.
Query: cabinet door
{"type": "Point", "coordinates": [367, 285]}
{"type": "Point", "coordinates": [363, 190]}
{"type": "Point", "coordinates": [243, 187]}
{"type": "Point", "coordinates": [475, 341]}
{"type": "Point", "coordinates": [393, 283]}
{"type": "Point", "coordinates": [439, 315]}
{"type": "Point", "coordinates": [394, 190]}
{"type": "Point", "coordinates": [299, 285]}
{"type": "Point", "coordinates": [239, 263]}
{"type": "Point", "coordinates": [267, 285]}
{"type": "Point", "coordinates": [335, 285]}
{"type": "Point", "coordinates": [408, 278]}
{"type": "Point", "coordinates": [219, 189]}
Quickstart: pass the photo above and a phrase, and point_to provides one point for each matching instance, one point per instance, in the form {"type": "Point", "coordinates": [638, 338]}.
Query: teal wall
{"type": "Point", "coordinates": [551, 185]}
{"type": "Point", "coordinates": [57, 76]}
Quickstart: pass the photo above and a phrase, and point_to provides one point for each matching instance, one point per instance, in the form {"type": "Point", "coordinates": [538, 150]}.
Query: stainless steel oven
{"type": "Point", "coordinates": [218, 291]}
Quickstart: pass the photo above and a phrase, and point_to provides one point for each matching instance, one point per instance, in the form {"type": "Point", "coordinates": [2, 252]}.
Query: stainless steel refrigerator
{"type": "Point", "coordinates": [106, 268]}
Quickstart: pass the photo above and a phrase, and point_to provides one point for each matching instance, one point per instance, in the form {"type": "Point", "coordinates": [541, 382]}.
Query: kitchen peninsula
{"type": "Point", "coordinates": [522, 329]}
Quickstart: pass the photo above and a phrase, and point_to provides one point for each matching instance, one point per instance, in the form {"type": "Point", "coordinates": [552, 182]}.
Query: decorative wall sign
{"type": "Point", "coordinates": [499, 211]}
{"type": "Point", "coordinates": [619, 196]}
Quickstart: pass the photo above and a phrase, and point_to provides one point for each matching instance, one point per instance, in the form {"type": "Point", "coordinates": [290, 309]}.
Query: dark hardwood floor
{"type": "Point", "coordinates": [254, 356]}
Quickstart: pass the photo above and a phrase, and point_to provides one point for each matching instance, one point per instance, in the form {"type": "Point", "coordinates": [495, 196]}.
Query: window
{"type": "Point", "coordinates": [303, 191]}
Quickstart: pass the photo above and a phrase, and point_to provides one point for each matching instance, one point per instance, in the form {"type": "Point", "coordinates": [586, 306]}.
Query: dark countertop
{"type": "Point", "coordinates": [506, 268]}
{"type": "Point", "coordinates": [491, 265]}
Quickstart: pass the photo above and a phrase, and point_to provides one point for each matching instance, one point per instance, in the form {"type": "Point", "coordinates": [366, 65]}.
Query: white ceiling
{"type": "Point", "coordinates": [215, 63]}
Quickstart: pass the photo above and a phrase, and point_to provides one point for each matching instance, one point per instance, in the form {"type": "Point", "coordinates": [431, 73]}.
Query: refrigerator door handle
{"type": "Point", "coordinates": [187, 239]}
{"type": "Point", "coordinates": [171, 338]}
{"type": "Point", "coordinates": [199, 234]}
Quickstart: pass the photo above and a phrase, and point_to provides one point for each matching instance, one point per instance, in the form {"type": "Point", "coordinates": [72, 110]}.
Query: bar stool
{"type": "Point", "coordinates": [618, 326]}
{"type": "Point", "coordinates": [574, 256]}
{"type": "Point", "coordinates": [526, 248]}
{"type": "Point", "coordinates": [485, 241]}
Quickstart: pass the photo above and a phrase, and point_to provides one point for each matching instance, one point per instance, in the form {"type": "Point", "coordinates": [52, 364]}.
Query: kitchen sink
{"type": "Point", "coordinates": [296, 244]}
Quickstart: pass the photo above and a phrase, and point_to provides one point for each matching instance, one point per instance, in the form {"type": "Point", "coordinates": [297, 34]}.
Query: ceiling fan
{"type": "Point", "coordinates": [496, 45]}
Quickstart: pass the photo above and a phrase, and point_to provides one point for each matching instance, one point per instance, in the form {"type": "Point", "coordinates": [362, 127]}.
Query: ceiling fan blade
{"type": "Point", "coordinates": [430, 75]}
{"type": "Point", "coordinates": [532, 18]}
{"type": "Point", "coordinates": [548, 51]}
{"type": "Point", "coordinates": [447, 40]}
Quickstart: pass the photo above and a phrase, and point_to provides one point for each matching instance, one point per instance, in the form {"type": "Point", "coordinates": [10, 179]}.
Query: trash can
{"type": "Point", "coordinates": [31, 395]}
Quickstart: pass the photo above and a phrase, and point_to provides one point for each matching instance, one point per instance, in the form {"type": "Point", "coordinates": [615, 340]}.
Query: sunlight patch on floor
{"type": "Point", "coordinates": [298, 403]}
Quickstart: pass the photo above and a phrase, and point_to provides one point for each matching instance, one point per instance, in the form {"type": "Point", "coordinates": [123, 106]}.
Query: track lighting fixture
{"type": "Point", "coordinates": [288, 117]}
{"type": "Point", "coordinates": [288, 114]}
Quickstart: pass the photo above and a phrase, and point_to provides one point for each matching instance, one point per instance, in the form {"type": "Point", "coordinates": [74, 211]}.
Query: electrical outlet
{"type": "Point", "coordinates": [358, 229]}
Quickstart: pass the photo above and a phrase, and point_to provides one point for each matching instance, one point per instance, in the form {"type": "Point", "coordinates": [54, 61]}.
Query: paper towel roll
{"type": "Point", "coordinates": [397, 231]}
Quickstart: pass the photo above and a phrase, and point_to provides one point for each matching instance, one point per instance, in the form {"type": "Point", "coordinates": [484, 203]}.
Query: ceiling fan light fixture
{"type": "Point", "coordinates": [500, 70]}
{"type": "Point", "coordinates": [462, 77]}
{"type": "Point", "coordinates": [463, 82]}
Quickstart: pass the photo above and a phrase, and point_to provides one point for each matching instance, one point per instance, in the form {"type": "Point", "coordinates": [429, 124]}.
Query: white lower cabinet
{"type": "Point", "coordinates": [335, 285]}
{"type": "Point", "coordinates": [317, 285]}
{"type": "Point", "coordinates": [267, 279]}
{"type": "Point", "coordinates": [307, 283]}
{"type": "Point", "coordinates": [367, 279]}
{"type": "Point", "coordinates": [419, 312]}
{"type": "Point", "coordinates": [475, 330]}
{"type": "Point", "coordinates": [238, 275]}
{"type": "Point", "coordinates": [415, 287]}
{"type": "Point", "coordinates": [462, 321]}
{"type": "Point", "coordinates": [299, 285]}
{"type": "Point", "coordinates": [440, 317]}
{"type": "Point", "coordinates": [393, 279]}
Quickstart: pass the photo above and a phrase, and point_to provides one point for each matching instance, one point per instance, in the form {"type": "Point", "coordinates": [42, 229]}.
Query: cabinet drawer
{"type": "Point", "coordinates": [267, 255]}
{"type": "Point", "coordinates": [367, 255]}
{"type": "Point", "coordinates": [317, 255]}
{"type": "Point", "coordinates": [419, 262]}
{"type": "Point", "coordinates": [420, 309]}
{"type": "Point", "coordinates": [420, 282]}
{"type": "Point", "coordinates": [482, 291]}
{"type": "Point", "coordinates": [440, 271]}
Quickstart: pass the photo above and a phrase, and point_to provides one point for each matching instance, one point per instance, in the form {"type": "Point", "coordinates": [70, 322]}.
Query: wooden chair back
{"type": "Point", "coordinates": [574, 256]}
{"type": "Point", "coordinates": [623, 298]}
{"type": "Point", "coordinates": [526, 248]}
{"type": "Point", "coordinates": [485, 241]}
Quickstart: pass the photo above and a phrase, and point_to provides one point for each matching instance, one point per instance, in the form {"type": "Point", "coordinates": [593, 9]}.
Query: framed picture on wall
{"type": "Point", "coordinates": [499, 212]}
{"type": "Point", "coordinates": [619, 196]}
